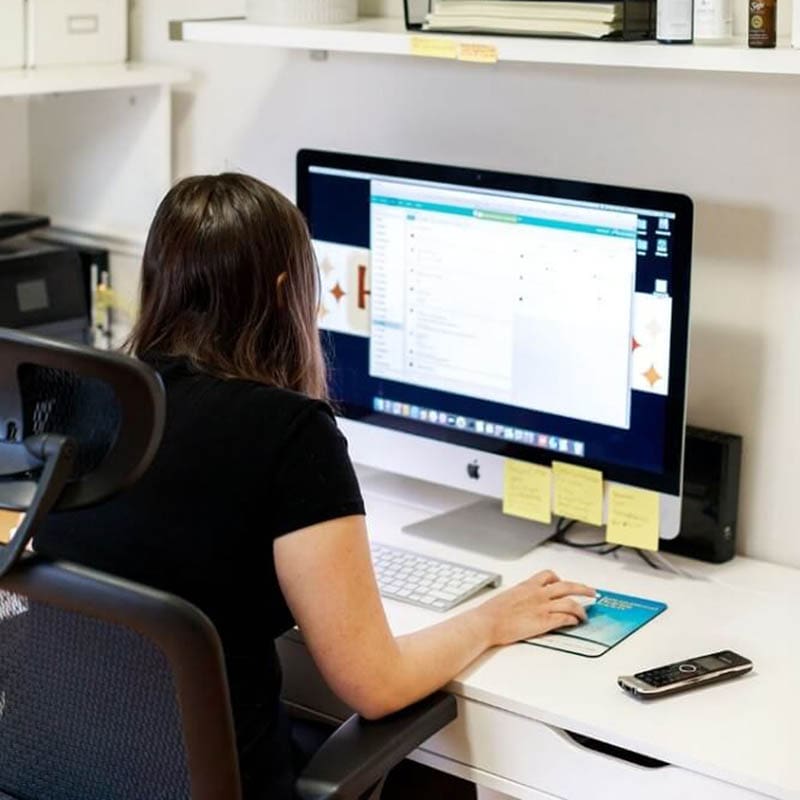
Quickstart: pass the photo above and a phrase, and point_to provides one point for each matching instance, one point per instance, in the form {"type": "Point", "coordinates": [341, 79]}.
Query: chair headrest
{"type": "Point", "coordinates": [111, 406]}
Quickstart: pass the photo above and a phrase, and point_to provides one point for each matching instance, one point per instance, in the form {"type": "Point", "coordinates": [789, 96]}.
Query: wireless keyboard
{"type": "Point", "coordinates": [424, 581]}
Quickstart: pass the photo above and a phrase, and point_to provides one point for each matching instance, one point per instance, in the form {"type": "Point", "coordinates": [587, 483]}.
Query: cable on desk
{"type": "Point", "coordinates": [646, 558]}
{"type": "Point", "coordinates": [600, 547]}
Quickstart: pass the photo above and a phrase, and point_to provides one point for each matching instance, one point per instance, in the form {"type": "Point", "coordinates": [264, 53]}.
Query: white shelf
{"type": "Point", "coordinates": [59, 80]}
{"type": "Point", "coordinates": [387, 36]}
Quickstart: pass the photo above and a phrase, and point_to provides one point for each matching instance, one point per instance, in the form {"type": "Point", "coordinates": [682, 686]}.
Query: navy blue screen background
{"type": "Point", "coordinates": [338, 208]}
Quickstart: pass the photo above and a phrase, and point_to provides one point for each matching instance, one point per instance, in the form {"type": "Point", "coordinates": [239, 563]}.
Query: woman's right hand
{"type": "Point", "coordinates": [536, 606]}
{"type": "Point", "coordinates": [349, 637]}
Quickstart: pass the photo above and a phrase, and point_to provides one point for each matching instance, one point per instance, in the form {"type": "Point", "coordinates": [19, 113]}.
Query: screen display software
{"type": "Point", "coordinates": [531, 325]}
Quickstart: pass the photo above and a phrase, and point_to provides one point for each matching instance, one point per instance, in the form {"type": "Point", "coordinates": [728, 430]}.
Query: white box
{"type": "Point", "coordinates": [796, 24]}
{"type": "Point", "coordinates": [12, 34]}
{"type": "Point", "coordinates": [77, 32]}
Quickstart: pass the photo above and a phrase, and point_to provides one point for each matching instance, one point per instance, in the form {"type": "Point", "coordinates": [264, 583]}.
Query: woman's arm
{"type": "Point", "coordinates": [326, 575]}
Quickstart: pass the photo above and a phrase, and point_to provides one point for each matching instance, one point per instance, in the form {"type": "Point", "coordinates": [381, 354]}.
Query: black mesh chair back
{"type": "Point", "coordinates": [110, 405]}
{"type": "Point", "coordinates": [76, 426]}
{"type": "Point", "coordinates": [108, 690]}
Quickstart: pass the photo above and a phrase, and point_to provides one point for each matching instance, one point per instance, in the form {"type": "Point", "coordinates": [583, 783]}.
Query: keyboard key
{"type": "Point", "coordinates": [428, 582]}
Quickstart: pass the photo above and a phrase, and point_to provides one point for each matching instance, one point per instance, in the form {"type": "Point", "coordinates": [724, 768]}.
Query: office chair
{"type": "Point", "coordinates": [110, 690]}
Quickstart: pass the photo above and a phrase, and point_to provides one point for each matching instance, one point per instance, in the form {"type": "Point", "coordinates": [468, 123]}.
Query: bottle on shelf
{"type": "Point", "coordinates": [761, 23]}
{"type": "Point", "coordinates": [675, 21]}
{"type": "Point", "coordinates": [713, 21]}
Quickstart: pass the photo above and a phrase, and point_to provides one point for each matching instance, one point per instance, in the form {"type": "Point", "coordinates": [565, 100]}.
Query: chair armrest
{"type": "Point", "coordinates": [360, 752]}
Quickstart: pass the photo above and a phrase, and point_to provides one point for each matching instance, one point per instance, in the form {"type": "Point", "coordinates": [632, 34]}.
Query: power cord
{"type": "Point", "coordinates": [602, 548]}
{"type": "Point", "coordinates": [653, 560]}
{"type": "Point", "coordinates": [647, 560]}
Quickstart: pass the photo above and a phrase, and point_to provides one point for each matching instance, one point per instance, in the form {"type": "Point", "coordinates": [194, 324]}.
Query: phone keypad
{"type": "Point", "coordinates": [672, 673]}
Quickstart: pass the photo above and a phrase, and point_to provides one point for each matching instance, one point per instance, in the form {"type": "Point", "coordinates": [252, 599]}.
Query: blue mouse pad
{"type": "Point", "coordinates": [612, 618]}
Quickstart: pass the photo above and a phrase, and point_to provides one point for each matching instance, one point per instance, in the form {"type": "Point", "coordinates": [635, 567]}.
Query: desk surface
{"type": "Point", "coordinates": [745, 732]}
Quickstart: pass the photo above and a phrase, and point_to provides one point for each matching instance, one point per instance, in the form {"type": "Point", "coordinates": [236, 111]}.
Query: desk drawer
{"type": "Point", "coordinates": [487, 742]}
{"type": "Point", "coordinates": [535, 755]}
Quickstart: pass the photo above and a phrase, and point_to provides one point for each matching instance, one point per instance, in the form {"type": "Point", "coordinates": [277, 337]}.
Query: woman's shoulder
{"type": "Point", "coordinates": [234, 398]}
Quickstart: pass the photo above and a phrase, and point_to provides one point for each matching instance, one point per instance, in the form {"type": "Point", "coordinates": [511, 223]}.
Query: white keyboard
{"type": "Point", "coordinates": [424, 581]}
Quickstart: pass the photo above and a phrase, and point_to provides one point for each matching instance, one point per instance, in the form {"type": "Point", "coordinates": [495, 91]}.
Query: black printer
{"type": "Point", "coordinates": [42, 284]}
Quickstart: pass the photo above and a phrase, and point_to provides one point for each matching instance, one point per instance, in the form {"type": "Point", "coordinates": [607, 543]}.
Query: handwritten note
{"type": "Point", "coordinates": [431, 47]}
{"type": "Point", "coordinates": [578, 493]}
{"type": "Point", "coordinates": [526, 490]}
{"type": "Point", "coordinates": [633, 517]}
{"type": "Point", "coordinates": [477, 53]}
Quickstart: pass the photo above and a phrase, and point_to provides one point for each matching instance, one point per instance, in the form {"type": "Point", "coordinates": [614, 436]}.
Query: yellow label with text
{"type": "Point", "coordinates": [477, 53]}
{"type": "Point", "coordinates": [526, 490]}
{"type": "Point", "coordinates": [633, 517]}
{"type": "Point", "coordinates": [578, 493]}
{"type": "Point", "coordinates": [431, 47]}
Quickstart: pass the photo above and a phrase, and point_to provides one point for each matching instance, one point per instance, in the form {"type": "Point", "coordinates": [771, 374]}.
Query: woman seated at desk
{"type": "Point", "coordinates": [251, 509]}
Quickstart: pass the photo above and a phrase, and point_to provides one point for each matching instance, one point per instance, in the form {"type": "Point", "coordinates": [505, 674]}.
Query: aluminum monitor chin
{"type": "Point", "coordinates": [472, 316]}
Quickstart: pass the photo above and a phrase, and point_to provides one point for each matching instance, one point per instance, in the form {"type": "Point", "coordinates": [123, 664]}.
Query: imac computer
{"type": "Point", "coordinates": [473, 316]}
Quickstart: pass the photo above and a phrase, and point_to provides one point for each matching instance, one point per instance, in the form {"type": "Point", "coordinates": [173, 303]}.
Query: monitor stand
{"type": "Point", "coordinates": [483, 528]}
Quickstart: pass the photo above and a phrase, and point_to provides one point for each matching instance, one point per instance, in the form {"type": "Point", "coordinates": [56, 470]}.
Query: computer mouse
{"type": "Point", "coordinates": [583, 600]}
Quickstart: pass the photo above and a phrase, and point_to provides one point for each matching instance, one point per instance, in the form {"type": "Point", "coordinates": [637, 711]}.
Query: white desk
{"type": "Point", "coordinates": [726, 742]}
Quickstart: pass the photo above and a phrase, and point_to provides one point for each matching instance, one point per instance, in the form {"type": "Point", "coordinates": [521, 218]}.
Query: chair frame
{"type": "Point", "coordinates": [351, 764]}
{"type": "Point", "coordinates": [181, 632]}
{"type": "Point", "coordinates": [140, 395]}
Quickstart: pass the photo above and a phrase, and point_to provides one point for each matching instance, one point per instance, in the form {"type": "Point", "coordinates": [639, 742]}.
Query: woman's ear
{"type": "Point", "coordinates": [279, 289]}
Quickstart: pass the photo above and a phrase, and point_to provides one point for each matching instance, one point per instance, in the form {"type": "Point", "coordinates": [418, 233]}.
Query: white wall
{"type": "Point", "coordinates": [730, 142]}
{"type": "Point", "coordinates": [14, 177]}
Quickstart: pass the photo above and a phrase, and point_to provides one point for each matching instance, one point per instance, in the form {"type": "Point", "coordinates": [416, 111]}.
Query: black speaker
{"type": "Point", "coordinates": [710, 508]}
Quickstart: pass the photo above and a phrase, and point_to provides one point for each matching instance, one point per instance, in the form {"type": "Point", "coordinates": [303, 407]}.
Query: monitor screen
{"type": "Point", "coordinates": [522, 316]}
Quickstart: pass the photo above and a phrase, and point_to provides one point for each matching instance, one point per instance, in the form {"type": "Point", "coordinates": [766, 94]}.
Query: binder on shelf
{"type": "Point", "coordinates": [616, 20]}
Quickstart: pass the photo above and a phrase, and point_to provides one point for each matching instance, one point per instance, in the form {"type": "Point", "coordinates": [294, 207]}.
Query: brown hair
{"type": "Point", "coordinates": [230, 282]}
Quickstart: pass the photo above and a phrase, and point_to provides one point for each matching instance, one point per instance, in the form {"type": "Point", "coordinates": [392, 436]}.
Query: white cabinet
{"type": "Point", "coordinates": [90, 147]}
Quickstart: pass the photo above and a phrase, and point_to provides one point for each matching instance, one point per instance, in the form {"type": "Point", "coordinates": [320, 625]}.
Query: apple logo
{"type": "Point", "coordinates": [474, 470]}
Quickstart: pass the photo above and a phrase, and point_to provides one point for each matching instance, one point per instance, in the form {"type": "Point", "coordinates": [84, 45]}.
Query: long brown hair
{"type": "Point", "coordinates": [229, 281]}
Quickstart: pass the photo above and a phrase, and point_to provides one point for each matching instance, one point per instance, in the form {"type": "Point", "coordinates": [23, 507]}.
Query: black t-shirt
{"type": "Point", "coordinates": [239, 465]}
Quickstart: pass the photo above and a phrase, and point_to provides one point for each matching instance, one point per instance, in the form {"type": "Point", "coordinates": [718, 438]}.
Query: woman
{"type": "Point", "coordinates": [251, 509]}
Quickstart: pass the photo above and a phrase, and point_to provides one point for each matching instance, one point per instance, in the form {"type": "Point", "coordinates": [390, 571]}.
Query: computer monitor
{"type": "Point", "coordinates": [472, 316]}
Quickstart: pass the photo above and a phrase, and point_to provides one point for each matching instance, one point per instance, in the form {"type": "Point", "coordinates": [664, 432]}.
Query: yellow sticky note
{"type": "Point", "coordinates": [526, 490]}
{"type": "Point", "coordinates": [431, 47]}
{"type": "Point", "coordinates": [477, 53]}
{"type": "Point", "coordinates": [578, 493]}
{"type": "Point", "coordinates": [633, 517]}
{"type": "Point", "coordinates": [8, 522]}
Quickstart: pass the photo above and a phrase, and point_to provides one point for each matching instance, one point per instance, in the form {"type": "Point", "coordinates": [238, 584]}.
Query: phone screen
{"type": "Point", "coordinates": [711, 663]}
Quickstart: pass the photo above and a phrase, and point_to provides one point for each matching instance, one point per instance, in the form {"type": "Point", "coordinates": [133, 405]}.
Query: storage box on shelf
{"type": "Point", "coordinates": [76, 32]}
{"type": "Point", "coordinates": [12, 33]}
{"type": "Point", "coordinates": [796, 25]}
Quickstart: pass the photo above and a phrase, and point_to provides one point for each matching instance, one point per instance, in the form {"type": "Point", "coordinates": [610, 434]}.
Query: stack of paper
{"type": "Point", "coordinates": [593, 19]}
